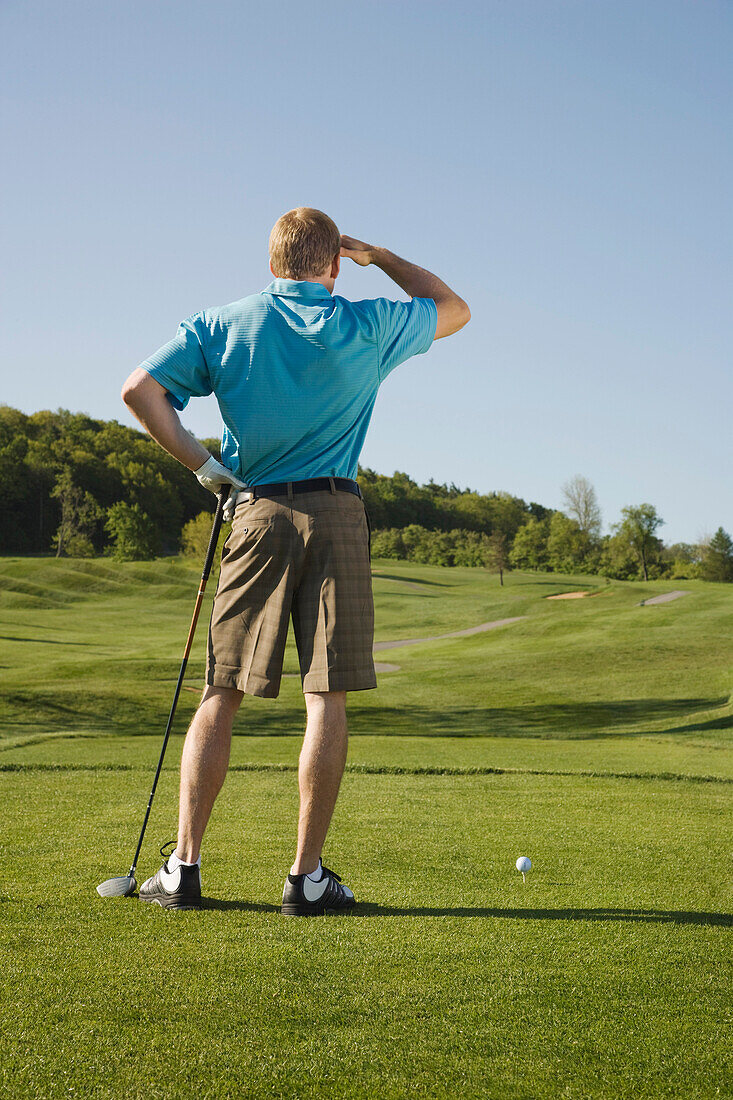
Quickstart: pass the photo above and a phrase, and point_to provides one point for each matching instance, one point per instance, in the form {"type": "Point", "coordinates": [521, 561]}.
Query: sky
{"type": "Point", "coordinates": [564, 165]}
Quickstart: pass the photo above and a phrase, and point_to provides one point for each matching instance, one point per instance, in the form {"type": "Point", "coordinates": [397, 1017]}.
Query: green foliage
{"type": "Point", "coordinates": [79, 515]}
{"type": "Point", "coordinates": [416, 543]}
{"type": "Point", "coordinates": [398, 501]}
{"type": "Point", "coordinates": [498, 554]}
{"type": "Point", "coordinates": [105, 461]}
{"type": "Point", "coordinates": [568, 545]}
{"type": "Point", "coordinates": [529, 550]}
{"type": "Point", "coordinates": [717, 564]}
{"type": "Point", "coordinates": [637, 532]}
{"type": "Point", "coordinates": [196, 534]}
{"type": "Point", "coordinates": [134, 535]}
{"type": "Point", "coordinates": [61, 473]}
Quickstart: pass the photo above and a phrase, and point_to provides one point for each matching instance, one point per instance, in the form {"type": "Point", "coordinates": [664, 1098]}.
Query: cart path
{"type": "Point", "coordinates": [453, 634]}
{"type": "Point", "coordinates": [382, 666]}
{"type": "Point", "coordinates": [665, 597]}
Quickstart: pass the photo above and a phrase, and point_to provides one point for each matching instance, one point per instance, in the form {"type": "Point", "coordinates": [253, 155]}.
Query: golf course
{"type": "Point", "coordinates": [590, 734]}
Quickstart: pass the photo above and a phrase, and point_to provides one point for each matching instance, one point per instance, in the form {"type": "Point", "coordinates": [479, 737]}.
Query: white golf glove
{"type": "Point", "coordinates": [212, 475]}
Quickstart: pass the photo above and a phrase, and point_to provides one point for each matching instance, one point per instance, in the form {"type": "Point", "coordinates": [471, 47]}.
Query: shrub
{"type": "Point", "coordinates": [196, 534]}
{"type": "Point", "coordinates": [133, 533]}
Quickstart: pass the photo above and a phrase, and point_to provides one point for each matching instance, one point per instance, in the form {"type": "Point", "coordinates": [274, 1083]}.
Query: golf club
{"type": "Point", "coordinates": [124, 885]}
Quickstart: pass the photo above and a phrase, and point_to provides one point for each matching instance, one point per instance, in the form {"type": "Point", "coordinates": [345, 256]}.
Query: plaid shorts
{"type": "Point", "coordinates": [307, 557]}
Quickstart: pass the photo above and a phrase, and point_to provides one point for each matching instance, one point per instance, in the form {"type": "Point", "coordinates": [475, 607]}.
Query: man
{"type": "Point", "coordinates": [296, 372]}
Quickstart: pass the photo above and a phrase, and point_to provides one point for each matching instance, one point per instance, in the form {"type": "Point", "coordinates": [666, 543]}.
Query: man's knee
{"type": "Point", "coordinates": [223, 700]}
{"type": "Point", "coordinates": [327, 703]}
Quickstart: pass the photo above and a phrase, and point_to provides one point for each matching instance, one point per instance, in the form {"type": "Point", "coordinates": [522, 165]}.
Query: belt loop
{"type": "Point", "coordinates": [253, 498]}
{"type": "Point", "coordinates": [290, 492]}
{"type": "Point", "coordinates": [332, 483]}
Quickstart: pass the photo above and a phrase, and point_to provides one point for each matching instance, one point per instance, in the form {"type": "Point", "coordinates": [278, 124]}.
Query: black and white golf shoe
{"type": "Point", "coordinates": [304, 896]}
{"type": "Point", "coordinates": [179, 889]}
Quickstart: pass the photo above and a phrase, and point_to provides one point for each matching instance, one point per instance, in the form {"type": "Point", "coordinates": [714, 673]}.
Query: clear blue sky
{"type": "Point", "coordinates": [566, 166]}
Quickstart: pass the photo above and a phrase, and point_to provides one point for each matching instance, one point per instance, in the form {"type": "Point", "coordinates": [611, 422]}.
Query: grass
{"type": "Point", "coordinates": [591, 736]}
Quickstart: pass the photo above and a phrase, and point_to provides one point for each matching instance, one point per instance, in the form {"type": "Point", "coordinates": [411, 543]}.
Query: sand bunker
{"type": "Point", "coordinates": [569, 596]}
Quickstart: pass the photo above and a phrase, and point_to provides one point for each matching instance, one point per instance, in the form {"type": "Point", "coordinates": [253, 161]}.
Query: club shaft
{"type": "Point", "coordinates": [214, 538]}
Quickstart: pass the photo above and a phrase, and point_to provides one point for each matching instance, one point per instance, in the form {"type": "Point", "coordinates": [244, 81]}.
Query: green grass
{"type": "Point", "coordinates": [592, 736]}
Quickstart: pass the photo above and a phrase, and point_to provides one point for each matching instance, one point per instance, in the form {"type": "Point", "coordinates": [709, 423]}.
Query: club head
{"type": "Point", "coordinates": [122, 887]}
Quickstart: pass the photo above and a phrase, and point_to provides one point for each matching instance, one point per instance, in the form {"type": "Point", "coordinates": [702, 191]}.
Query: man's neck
{"type": "Point", "coordinates": [325, 280]}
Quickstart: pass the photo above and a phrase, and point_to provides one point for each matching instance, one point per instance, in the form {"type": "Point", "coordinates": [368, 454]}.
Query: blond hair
{"type": "Point", "coordinates": [303, 242]}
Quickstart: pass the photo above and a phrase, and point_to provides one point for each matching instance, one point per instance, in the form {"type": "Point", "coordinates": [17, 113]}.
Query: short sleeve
{"type": "Point", "coordinates": [404, 329]}
{"type": "Point", "coordinates": [180, 365]}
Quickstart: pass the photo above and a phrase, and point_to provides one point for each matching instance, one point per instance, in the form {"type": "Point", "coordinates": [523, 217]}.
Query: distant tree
{"type": "Point", "coordinates": [134, 535]}
{"type": "Point", "coordinates": [388, 544]}
{"type": "Point", "coordinates": [684, 560]}
{"type": "Point", "coordinates": [617, 559]}
{"type": "Point", "coordinates": [79, 515]}
{"type": "Point", "coordinates": [638, 530]}
{"type": "Point", "coordinates": [567, 544]}
{"type": "Point", "coordinates": [529, 549]}
{"type": "Point", "coordinates": [196, 534]}
{"type": "Point", "coordinates": [717, 562]}
{"type": "Point", "coordinates": [581, 504]}
{"type": "Point", "coordinates": [498, 554]}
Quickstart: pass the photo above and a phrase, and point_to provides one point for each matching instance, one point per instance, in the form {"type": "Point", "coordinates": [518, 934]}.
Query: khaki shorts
{"type": "Point", "coordinates": [308, 557]}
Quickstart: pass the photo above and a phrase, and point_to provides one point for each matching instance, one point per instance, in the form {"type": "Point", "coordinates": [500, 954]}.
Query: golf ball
{"type": "Point", "coordinates": [524, 863]}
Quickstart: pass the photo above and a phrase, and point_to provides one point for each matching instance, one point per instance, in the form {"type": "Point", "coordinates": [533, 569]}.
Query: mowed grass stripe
{"type": "Point", "coordinates": [381, 769]}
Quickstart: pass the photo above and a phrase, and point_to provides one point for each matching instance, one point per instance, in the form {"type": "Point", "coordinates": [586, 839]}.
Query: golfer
{"type": "Point", "coordinates": [295, 371]}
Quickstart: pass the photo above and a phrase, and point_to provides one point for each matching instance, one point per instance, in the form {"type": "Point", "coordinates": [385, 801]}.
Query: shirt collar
{"type": "Point", "coordinates": [297, 288]}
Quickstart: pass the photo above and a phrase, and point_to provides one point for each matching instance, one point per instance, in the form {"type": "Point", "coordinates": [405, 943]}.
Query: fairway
{"type": "Point", "coordinates": [591, 734]}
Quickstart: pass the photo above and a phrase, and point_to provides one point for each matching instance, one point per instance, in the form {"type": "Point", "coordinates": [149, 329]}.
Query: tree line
{"type": "Point", "coordinates": [73, 485]}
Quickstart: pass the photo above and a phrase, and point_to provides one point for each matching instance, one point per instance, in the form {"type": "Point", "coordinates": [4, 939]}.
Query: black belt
{"type": "Point", "coordinates": [310, 485]}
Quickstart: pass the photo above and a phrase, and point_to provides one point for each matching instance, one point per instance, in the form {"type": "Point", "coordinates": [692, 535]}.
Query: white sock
{"type": "Point", "coordinates": [174, 861]}
{"type": "Point", "coordinates": [315, 876]}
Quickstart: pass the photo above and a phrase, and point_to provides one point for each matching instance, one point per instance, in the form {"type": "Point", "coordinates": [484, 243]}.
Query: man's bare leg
{"type": "Point", "coordinates": [321, 766]}
{"type": "Point", "coordinates": [204, 766]}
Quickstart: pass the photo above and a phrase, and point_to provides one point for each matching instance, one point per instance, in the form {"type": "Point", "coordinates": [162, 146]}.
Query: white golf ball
{"type": "Point", "coordinates": [524, 863]}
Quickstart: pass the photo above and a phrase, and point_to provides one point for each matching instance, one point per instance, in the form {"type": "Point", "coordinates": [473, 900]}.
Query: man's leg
{"type": "Point", "coordinates": [321, 766]}
{"type": "Point", "coordinates": [204, 766]}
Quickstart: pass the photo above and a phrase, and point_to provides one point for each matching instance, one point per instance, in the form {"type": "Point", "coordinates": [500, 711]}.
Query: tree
{"type": "Point", "coordinates": [581, 504]}
{"type": "Point", "coordinates": [196, 534]}
{"type": "Point", "coordinates": [134, 536]}
{"type": "Point", "coordinates": [684, 560]}
{"type": "Point", "coordinates": [567, 544]}
{"type": "Point", "coordinates": [79, 514]}
{"type": "Point", "coordinates": [499, 554]}
{"type": "Point", "coordinates": [638, 530]}
{"type": "Point", "coordinates": [717, 562]}
{"type": "Point", "coordinates": [529, 550]}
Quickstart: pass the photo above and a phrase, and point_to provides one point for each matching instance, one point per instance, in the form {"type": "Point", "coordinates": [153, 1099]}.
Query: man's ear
{"type": "Point", "coordinates": [336, 266]}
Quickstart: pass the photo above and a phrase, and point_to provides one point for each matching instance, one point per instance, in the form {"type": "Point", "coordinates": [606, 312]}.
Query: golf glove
{"type": "Point", "coordinates": [212, 475]}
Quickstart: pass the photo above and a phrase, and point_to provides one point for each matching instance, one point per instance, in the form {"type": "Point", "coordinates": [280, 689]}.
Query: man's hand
{"type": "Point", "coordinates": [357, 251]}
{"type": "Point", "coordinates": [212, 475]}
{"type": "Point", "coordinates": [453, 313]}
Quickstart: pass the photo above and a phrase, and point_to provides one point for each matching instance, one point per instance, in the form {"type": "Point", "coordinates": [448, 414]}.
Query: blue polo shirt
{"type": "Point", "coordinates": [296, 372]}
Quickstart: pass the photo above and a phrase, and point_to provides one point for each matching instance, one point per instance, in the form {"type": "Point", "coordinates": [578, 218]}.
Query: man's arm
{"type": "Point", "coordinates": [453, 313]}
{"type": "Point", "coordinates": [147, 401]}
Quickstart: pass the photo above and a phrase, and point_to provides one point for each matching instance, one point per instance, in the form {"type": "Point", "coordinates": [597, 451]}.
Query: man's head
{"type": "Point", "coordinates": [305, 244]}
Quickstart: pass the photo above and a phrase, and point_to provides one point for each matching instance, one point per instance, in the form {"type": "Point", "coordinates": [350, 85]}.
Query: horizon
{"type": "Point", "coordinates": [606, 528]}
